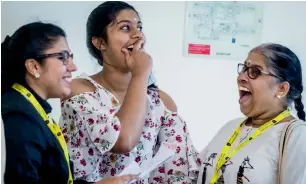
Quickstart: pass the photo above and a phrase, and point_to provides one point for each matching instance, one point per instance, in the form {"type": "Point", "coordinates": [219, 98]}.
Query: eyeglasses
{"type": "Point", "coordinates": [63, 56]}
{"type": "Point", "coordinates": [253, 71]}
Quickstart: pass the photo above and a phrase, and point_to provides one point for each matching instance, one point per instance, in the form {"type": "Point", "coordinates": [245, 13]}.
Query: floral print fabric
{"type": "Point", "coordinates": [91, 128]}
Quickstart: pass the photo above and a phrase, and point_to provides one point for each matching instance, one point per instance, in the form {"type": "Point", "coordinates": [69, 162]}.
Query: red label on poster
{"type": "Point", "coordinates": [199, 49]}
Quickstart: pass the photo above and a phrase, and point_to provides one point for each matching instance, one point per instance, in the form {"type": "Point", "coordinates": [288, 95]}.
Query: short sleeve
{"type": "Point", "coordinates": [184, 166]}
{"type": "Point", "coordinates": [294, 161]}
{"type": "Point", "coordinates": [90, 128]}
{"type": "Point", "coordinates": [24, 144]}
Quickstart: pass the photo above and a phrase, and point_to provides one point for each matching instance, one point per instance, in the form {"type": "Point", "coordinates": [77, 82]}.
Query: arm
{"type": "Point", "coordinates": [24, 143]}
{"type": "Point", "coordinates": [294, 162]}
{"type": "Point", "coordinates": [133, 110]}
{"type": "Point", "coordinates": [111, 180]}
{"type": "Point", "coordinates": [132, 115]}
{"type": "Point", "coordinates": [117, 179]}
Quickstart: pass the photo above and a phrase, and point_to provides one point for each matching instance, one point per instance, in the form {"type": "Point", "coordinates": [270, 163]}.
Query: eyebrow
{"type": "Point", "coordinates": [63, 50]}
{"type": "Point", "coordinates": [128, 21]}
{"type": "Point", "coordinates": [253, 65]}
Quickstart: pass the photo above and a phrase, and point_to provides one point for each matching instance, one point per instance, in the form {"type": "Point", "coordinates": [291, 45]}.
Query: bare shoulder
{"type": "Point", "coordinates": [78, 86]}
{"type": "Point", "coordinates": [168, 101]}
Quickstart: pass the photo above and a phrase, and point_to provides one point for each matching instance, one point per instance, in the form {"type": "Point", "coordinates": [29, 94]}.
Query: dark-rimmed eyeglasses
{"type": "Point", "coordinates": [253, 71]}
{"type": "Point", "coordinates": [64, 56]}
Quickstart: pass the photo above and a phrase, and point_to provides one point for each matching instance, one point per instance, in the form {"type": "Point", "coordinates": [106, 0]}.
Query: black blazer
{"type": "Point", "coordinates": [33, 155]}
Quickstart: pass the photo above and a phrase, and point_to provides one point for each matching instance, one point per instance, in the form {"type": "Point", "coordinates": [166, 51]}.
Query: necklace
{"type": "Point", "coordinates": [112, 92]}
{"type": "Point", "coordinates": [108, 87]}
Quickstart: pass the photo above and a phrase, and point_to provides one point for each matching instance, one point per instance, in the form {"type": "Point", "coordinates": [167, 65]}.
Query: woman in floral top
{"type": "Point", "coordinates": [112, 118]}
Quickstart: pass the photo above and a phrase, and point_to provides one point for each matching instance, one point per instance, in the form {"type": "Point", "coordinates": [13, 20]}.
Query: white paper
{"type": "Point", "coordinates": [165, 152]}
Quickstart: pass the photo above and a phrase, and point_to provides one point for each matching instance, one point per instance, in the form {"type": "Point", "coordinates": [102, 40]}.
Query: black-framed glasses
{"type": "Point", "coordinates": [64, 56]}
{"type": "Point", "coordinates": [253, 71]}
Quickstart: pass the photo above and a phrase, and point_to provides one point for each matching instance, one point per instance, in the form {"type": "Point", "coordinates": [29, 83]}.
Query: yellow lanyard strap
{"type": "Point", "coordinates": [224, 156]}
{"type": "Point", "coordinates": [54, 128]}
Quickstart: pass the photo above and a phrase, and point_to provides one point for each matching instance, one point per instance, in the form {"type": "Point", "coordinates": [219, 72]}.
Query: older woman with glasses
{"type": "Point", "coordinates": [269, 144]}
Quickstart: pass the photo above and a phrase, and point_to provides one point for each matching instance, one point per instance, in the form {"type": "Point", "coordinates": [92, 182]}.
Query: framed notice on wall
{"type": "Point", "coordinates": [222, 30]}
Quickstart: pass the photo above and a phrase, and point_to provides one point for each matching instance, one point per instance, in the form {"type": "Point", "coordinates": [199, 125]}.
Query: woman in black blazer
{"type": "Point", "coordinates": [36, 65]}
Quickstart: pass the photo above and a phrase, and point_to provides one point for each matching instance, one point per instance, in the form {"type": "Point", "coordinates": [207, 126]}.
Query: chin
{"type": "Point", "coordinates": [245, 111]}
{"type": "Point", "coordinates": [65, 92]}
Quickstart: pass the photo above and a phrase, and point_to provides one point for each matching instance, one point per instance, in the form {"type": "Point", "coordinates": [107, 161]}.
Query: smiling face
{"type": "Point", "coordinates": [123, 32]}
{"type": "Point", "coordinates": [258, 95]}
{"type": "Point", "coordinates": [58, 69]}
{"type": "Point", "coordinates": [55, 72]}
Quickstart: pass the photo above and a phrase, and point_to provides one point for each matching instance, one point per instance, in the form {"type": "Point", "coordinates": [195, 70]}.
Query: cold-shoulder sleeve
{"type": "Point", "coordinates": [184, 166]}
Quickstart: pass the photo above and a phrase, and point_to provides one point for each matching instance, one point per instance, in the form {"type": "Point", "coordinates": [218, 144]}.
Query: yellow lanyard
{"type": "Point", "coordinates": [224, 156]}
{"type": "Point", "coordinates": [54, 128]}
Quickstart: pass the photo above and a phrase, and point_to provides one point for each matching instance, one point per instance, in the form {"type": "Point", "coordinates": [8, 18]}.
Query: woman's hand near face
{"type": "Point", "coordinates": [134, 106]}
{"type": "Point", "coordinates": [138, 61]}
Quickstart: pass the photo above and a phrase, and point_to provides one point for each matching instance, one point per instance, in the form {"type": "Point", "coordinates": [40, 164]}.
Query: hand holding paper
{"type": "Point", "coordinates": [165, 152]}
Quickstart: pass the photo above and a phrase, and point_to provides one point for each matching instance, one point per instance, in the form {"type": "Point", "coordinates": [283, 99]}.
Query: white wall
{"type": "Point", "coordinates": [205, 90]}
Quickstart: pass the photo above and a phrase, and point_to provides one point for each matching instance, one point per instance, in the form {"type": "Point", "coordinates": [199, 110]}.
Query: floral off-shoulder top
{"type": "Point", "coordinates": [91, 129]}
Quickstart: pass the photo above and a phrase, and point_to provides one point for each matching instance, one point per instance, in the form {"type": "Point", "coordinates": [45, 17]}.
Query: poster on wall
{"type": "Point", "coordinates": [222, 30]}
